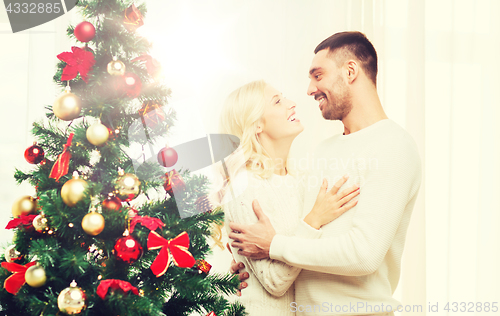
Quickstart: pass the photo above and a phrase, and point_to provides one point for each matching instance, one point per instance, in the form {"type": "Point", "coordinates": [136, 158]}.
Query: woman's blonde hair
{"type": "Point", "coordinates": [241, 114]}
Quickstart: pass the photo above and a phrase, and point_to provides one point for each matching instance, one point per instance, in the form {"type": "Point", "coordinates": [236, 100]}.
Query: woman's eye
{"type": "Point", "coordinates": [277, 102]}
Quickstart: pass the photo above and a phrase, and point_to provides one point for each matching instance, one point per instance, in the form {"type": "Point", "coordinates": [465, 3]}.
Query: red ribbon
{"type": "Point", "coordinates": [211, 314]}
{"type": "Point", "coordinates": [14, 283]}
{"type": "Point", "coordinates": [103, 287]}
{"type": "Point", "coordinates": [60, 168]}
{"type": "Point", "coordinates": [151, 223]}
{"type": "Point", "coordinates": [77, 61]}
{"type": "Point", "coordinates": [175, 250]}
{"type": "Point", "coordinates": [22, 220]}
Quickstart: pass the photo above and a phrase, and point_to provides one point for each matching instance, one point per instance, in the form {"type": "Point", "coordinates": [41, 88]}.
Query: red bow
{"type": "Point", "coordinates": [151, 223]}
{"type": "Point", "coordinates": [23, 219]}
{"type": "Point", "coordinates": [79, 61]}
{"type": "Point", "coordinates": [103, 287]}
{"type": "Point", "coordinates": [177, 248]}
{"type": "Point", "coordinates": [60, 168]}
{"type": "Point", "coordinates": [211, 314]}
{"type": "Point", "coordinates": [14, 283]}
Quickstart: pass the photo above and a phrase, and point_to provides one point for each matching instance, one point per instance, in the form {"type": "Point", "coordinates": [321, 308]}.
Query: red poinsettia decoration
{"type": "Point", "coordinates": [78, 61]}
{"type": "Point", "coordinates": [115, 284]}
{"type": "Point", "coordinates": [150, 223]}
{"type": "Point", "coordinates": [24, 220]}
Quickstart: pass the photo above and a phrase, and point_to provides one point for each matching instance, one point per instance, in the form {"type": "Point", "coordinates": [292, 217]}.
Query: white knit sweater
{"type": "Point", "coordinates": [270, 285]}
{"type": "Point", "coordinates": [355, 263]}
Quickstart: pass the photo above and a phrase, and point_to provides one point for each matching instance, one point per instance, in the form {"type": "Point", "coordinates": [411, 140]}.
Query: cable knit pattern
{"type": "Point", "coordinates": [270, 286]}
{"type": "Point", "coordinates": [357, 259]}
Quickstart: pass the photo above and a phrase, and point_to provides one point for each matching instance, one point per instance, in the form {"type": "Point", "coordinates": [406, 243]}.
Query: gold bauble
{"type": "Point", "coordinates": [73, 191]}
{"type": "Point", "coordinates": [128, 187]}
{"type": "Point", "coordinates": [40, 223]}
{"type": "Point", "coordinates": [72, 300]}
{"type": "Point", "coordinates": [23, 206]}
{"type": "Point", "coordinates": [93, 223]}
{"type": "Point", "coordinates": [11, 254]}
{"type": "Point", "coordinates": [35, 276]}
{"type": "Point", "coordinates": [67, 106]}
{"type": "Point", "coordinates": [116, 68]}
{"type": "Point", "coordinates": [97, 134]}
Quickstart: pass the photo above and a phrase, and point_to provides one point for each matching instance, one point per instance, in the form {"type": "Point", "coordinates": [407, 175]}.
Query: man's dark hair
{"type": "Point", "coordinates": [357, 44]}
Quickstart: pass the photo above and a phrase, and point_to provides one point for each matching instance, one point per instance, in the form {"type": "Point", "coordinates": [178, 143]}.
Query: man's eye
{"type": "Point", "coordinates": [317, 76]}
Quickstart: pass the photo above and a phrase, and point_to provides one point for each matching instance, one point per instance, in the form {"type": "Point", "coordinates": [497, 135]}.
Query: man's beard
{"type": "Point", "coordinates": [338, 108]}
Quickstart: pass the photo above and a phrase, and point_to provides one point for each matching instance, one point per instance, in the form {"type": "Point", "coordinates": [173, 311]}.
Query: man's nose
{"type": "Point", "coordinates": [311, 90]}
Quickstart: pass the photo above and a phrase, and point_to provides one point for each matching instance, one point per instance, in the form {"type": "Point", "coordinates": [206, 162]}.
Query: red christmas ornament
{"type": "Point", "coordinates": [78, 61]}
{"type": "Point", "coordinates": [203, 266]}
{"type": "Point", "coordinates": [84, 31]}
{"type": "Point", "coordinates": [151, 114]}
{"type": "Point", "coordinates": [34, 154]}
{"type": "Point", "coordinates": [60, 168]}
{"type": "Point", "coordinates": [128, 250]}
{"type": "Point", "coordinates": [173, 181]}
{"type": "Point", "coordinates": [167, 157]}
{"type": "Point", "coordinates": [133, 85]}
{"type": "Point", "coordinates": [133, 18]}
{"type": "Point", "coordinates": [112, 203]}
{"type": "Point", "coordinates": [152, 65]}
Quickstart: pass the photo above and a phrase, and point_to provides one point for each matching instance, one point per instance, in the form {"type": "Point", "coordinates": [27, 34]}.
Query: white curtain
{"type": "Point", "coordinates": [438, 78]}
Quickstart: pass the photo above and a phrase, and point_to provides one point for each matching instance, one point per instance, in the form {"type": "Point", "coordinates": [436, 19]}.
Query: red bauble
{"type": "Point", "coordinates": [167, 157]}
{"type": "Point", "coordinates": [34, 154]}
{"type": "Point", "coordinates": [84, 31]}
{"type": "Point", "coordinates": [133, 85]}
{"type": "Point", "coordinates": [112, 203]}
{"type": "Point", "coordinates": [128, 250]}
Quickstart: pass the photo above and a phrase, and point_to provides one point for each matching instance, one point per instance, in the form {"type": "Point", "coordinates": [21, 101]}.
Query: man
{"type": "Point", "coordinates": [351, 266]}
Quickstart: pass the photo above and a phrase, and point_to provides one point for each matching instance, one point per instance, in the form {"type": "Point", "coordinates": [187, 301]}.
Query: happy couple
{"type": "Point", "coordinates": [329, 249]}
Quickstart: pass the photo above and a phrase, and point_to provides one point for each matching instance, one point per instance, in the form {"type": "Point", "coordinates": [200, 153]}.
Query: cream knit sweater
{"type": "Point", "coordinates": [354, 266]}
{"type": "Point", "coordinates": [270, 285]}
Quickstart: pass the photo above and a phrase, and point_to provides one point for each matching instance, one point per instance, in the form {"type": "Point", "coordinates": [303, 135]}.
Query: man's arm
{"type": "Point", "coordinates": [388, 191]}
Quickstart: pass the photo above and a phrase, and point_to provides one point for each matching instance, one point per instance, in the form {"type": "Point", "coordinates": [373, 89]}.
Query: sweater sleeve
{"type": "Point", "coordinates": [275, 276]}
{"type": "Point", "coordinates": [388, 191]}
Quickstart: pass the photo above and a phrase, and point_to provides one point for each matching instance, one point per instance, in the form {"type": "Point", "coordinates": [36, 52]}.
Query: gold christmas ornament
{"type": "Point", "coordinates": [11, 254]}
{"type": "Point", "coordinates": [93, 223]}
{"type": "Point", "coordinates": [72, 300]}
{"type": "Point", "coordinates": [67, 106]}
{"type": "Point", "coordinates": [73, 190]}
{"type": "Point", "coordinates": [116, 67]}
{"type": "Point", "coordinates": [25, 205]}
{"type": "Point", "coordinates": [128, 186]}
{"type": "Point", "coordinates": [35, 276]}
{"type": "Point", "coordinates": [40, 223]}
{"type": "Point", "coordinates": [97, 134]}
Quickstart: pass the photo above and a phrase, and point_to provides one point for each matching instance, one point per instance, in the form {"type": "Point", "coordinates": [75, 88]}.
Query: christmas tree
{"type": "Point", "coordinates": [81, 244]}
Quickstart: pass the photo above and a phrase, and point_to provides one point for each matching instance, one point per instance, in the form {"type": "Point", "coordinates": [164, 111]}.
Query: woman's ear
{"type": "Point", "coordinates": [260, 127]}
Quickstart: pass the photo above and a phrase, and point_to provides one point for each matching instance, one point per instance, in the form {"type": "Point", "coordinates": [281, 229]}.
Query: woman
{"type": "Point", "coordinates": [266, 125]}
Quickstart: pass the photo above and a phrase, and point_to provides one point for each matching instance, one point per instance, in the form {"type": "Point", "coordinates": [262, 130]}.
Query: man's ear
{"type": "Point", "coordinates": [352, 70]}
